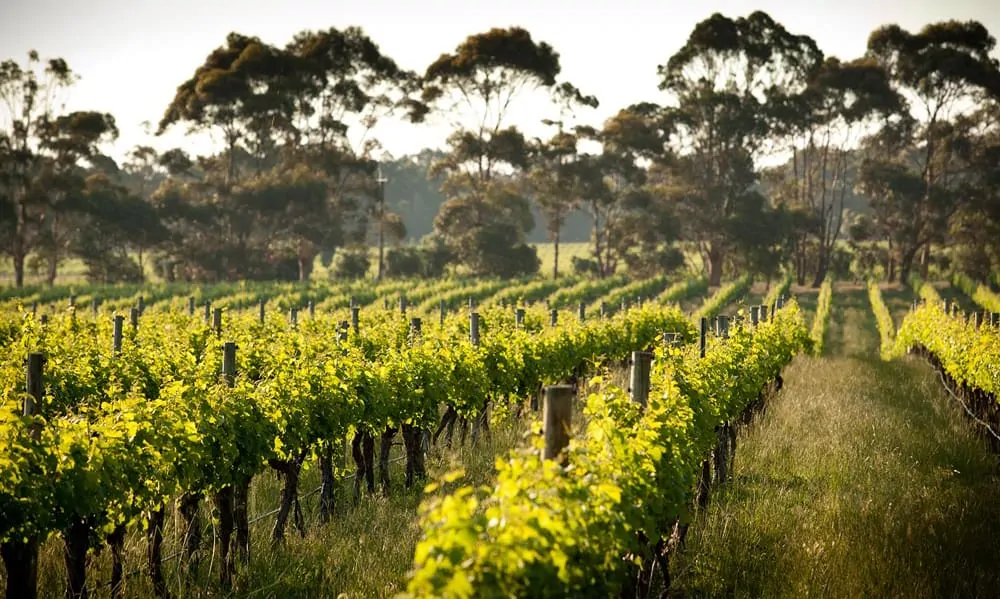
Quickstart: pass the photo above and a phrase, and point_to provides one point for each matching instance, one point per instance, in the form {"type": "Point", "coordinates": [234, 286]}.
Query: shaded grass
{"type": "Point", "coordinates": [862, 480]}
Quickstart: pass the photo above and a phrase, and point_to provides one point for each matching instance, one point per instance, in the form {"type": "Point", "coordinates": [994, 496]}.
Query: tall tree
{"type": "Point", "coordinates": [823, 123]}
{"type": "Point", "coordinates": [27, 106]}
{"type": "Point", "coordinates": [486, 216]}
{"type": "Point", "coordinates": [941, 70]}
{"type": "Point", "coordinates": [725, 83]}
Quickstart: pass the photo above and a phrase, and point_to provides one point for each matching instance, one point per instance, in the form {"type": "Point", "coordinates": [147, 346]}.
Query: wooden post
{"type": "Point", "coordinates": [474, 328]}
{"type": "Point", "coordinates": [35, 389]}
{"type": "Point", "coordinates": [781, 302]}
{"type": "Point", "coordinates": [208, 312]}
{"type": "Point", "coordinates": [557, 415]}
{"type": "Point", "coordinates": [34, 308]}
{"type": "Point", "coordinates": [995, 319]}
{"type": "Point", "coordinates": [217, 321]}
{"type": "Point", "coordinates": [724, 326]}
{"type": "Point", "coordinates": [355, 319]}
{"type": "Point", "coordinates": [604, 309]}
{"type": "Point", "coordinates": [582, 311]}
{"type": "Point", "coordinates": [229, 362]}
{"type": "Point", "coordinates": [95, 304]}
{"type": "Point", "coordinates": [754, 315]}
{"type": "Point", "coordinates": [261, 307]}
{"type": "Point", "coordinates": [415, 324]}
{"type": "Point", "coordinates": [312, 309]}
{"type": "Point", "coordinates": [140, 304]}
{"type": "Point", "coordinates": [385, 303]}
{"type": "Point", "coordinates": [402, 305]}
{"type": "Point", "coordinates": [293, 317]}
{"type": "Point", "coordinates": [702, 336]}
{"type": "Point", "coordinates": [763, 313]}
{"type": "Point", "coordinates": [554, 317]}
{"type": "Point", "coordinates": [190, 305]}
{"type": "Point", "coordinates": [642, 362]}
{"type": "Point", "coordinates": [72, 300]}
{"type": "Point", "coordinates": [519, 318]}
{"type": "Point", "coordinates": [133, 317]}
{"type": "Point", "coordinates": [978, 319]}
{"type": "Point", "coordinates": [116, 335]}
{"type": "Point", "coordinates": [43, 319]}
{"type": "Point", "coordinates": [353, 302]}
{"type": "Point", "coordinates": [624, 304]}
{"type": "Point", "coordinates": [442, 311]}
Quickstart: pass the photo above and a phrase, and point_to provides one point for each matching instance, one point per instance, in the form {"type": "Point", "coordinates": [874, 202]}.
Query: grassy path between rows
{"type": "Point", "coordinates": [861, 480]}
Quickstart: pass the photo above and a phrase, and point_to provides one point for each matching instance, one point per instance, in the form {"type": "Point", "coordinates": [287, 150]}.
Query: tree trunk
{"type": "Point", "coordinates": [715, 257]}
{"type": "Point", "coordinates": [142, 269]}
{"type": "Point", "coordinates": [821, 268]}
{"type": "Point", "coordinates": [20, 250]}
{"type": "Point", "coordinates": [289, 470]}
{"type": "Point", "coordinates": [20, 560]}
{"type": "Point", "coordinates": [53, 267]}
{"type": "Point", "coordinates": [906, 265]}
{"type": "Point", "coordinates": [925, 262]}
{"type": "Point", "coordinates": [555, 251]}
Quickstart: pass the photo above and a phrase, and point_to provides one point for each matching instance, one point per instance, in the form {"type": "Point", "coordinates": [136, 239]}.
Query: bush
{"type": "Point", "coordinates": [351, 263]}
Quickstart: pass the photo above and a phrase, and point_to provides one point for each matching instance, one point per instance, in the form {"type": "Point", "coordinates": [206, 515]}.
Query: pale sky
{"type": "Point", "coordinates": [132, 55]}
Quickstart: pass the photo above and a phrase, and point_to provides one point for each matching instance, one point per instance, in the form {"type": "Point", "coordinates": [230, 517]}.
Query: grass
{"type": "Point", "coordinates": [862, 480]}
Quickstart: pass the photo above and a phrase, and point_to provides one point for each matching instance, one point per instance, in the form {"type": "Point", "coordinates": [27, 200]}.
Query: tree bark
{"type": "Point", "coordinates": [715, 257]}
{"type": "Point", "coordinates": [555, 251]}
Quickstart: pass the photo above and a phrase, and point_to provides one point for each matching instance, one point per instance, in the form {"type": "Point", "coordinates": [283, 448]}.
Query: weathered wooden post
{"type": "Point", "coordinates": [355, 319]}
{"type": "Point", "coordinates": [754, 315]}
{"type": "Point", "coordinates": [95, 305]}
{"type": "Point", "coordinates": [519, 318]}
{"type": "Point", "coordinates": [208, 312]}
{"type": "Point", "coordinates": [191, 305]}
{"type": "Point", "coordinates": [261, 310]}
{"type": "Point", "coordinates": [293, 317]}
{"type": "Point", "coordinates": [604, 310]}
{"type": "Point", "coordinates": [474, 328]}
{"type": "Point", "coordinates": [133, 317]}
{"type": "Point", "coordinates": [557, 416]}
{"type": "Point", "coordinates": [582, 311]}
{"type": "Point", "coordinates": [442, 311]}
{"type": "Point", "coordinates": [402, 305]}
{"type": "Point", "coordinates": [554, 317]}
{"type": "Point", "coordinates": [763, 313]}
{"type": "Point", "coordinates": [140, 304]}
{"type": "Point", "coordinates": [312, 309]}
{"type": "Point", "coordinates": [217, 321]}
{"type": "Point", "coordinates": [703, 333]}
{"type": "Point", "coordinates": [116, 334]}
{"type": "Point", "coordinates": [415, 324]}
{"type": "Point", "coordinates": [724, 326]}
{"type": "Point", "coordinates": [642, 362]}
{"type": "Point", "coordinates": [781, 302]}
{"type": "Point", "coordinates": [20, 555]}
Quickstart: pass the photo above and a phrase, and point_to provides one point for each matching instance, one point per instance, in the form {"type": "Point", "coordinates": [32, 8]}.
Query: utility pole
{"type": "Point", "coordinates": [381, 181]}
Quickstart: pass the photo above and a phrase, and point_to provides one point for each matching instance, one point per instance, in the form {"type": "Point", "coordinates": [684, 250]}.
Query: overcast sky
{"type": "Point", "coordinates": [131, 55]}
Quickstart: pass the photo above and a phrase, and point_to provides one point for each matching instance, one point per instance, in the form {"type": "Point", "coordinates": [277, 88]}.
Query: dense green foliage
{"type": "Point", "coordinates": [552, 530]}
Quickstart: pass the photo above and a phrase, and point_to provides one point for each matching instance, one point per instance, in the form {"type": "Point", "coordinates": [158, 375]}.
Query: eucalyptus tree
{"type": "Point", "coordinates": [486, 214]}
{"type": "Point", "coordinates": [725, 85]}
{"type": "Point", "coordinates": [943, 71]}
